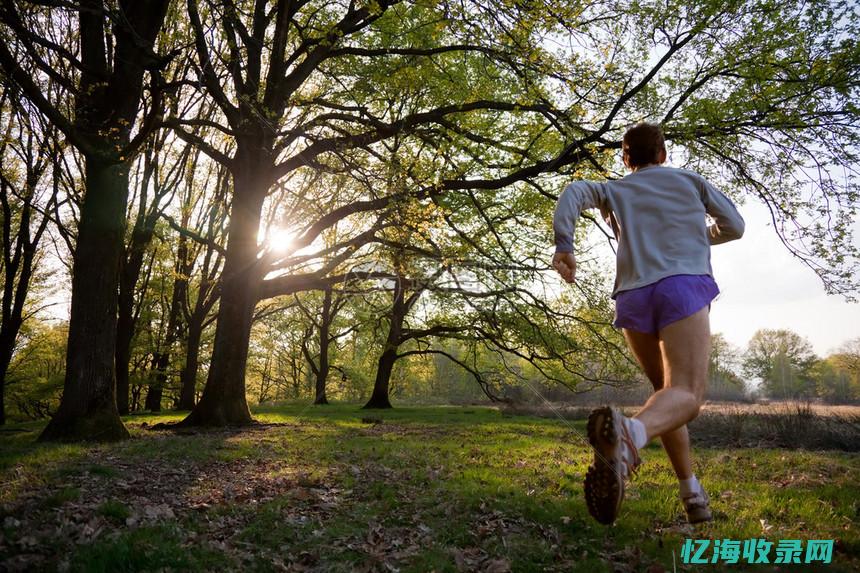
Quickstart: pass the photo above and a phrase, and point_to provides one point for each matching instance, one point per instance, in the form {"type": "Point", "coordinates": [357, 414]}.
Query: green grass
{"type": "Point", "coordinates": [144, 549]}
{"type": "Point", "coordinates": [102, 471]}
{"type": "Point", "coordinates": [115, 510]}
{"type": "Point", "coordinates": [62, 496]}
{"type": "Point", "coordinates": [430, 488]}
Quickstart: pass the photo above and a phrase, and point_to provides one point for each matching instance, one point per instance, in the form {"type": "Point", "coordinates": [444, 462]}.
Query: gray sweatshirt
{"type": "Point", "coordinates": [658, 216]}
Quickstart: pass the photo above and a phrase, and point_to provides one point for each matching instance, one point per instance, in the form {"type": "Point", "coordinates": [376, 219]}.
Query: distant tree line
{"type": "Point", "coordinates": [786, 367]}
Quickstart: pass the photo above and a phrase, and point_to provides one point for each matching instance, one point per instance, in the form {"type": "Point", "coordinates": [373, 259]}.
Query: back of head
{"type": "Point", "coordinates": [642, 145]}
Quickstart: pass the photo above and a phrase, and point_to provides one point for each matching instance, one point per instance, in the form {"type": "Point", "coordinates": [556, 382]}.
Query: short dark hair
{"type": "Point", "coordinates": [643, 143]}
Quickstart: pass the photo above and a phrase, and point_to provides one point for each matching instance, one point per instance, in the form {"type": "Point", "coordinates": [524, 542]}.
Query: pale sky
{"type": "Point", "coordinates": [763, 286]}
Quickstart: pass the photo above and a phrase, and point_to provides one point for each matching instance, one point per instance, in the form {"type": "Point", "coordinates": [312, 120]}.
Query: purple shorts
{"type": "Point", "coordinates": [652, 307]}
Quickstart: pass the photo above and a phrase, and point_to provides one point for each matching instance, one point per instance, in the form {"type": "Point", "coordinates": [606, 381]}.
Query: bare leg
{"type": "Point", "coordinates": [646, 348]}
{"type": "Point", "coordinates": [685, 346]}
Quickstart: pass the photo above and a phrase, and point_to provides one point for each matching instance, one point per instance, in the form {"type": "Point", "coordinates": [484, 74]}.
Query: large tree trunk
{"type": "Point", "coordinates": [223, 401]}
{"type": "Point", "coordinates": [88, 409]}
{"type": "Point", "coordinates": [323, 370]}
{"type": "Point", "coordinates": [106, 105]}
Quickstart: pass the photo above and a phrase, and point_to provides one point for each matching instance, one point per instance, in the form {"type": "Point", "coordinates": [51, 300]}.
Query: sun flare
{"type": "Point", "coordinates": [280, 240]}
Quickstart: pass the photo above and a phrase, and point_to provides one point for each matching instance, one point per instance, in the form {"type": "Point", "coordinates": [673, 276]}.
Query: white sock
{"type": "Point", "coordinates": [690, 486]}
{"type": "Point", "coordinates": [637, 432]}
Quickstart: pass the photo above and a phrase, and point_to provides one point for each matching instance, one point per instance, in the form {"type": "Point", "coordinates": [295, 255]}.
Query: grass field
{"type": "Point", "coordinates": [411, 489]}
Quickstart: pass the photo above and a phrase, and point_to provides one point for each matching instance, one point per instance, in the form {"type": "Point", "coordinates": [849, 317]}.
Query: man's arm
{"type": "Point", "coordinates": [574, 199]}
{"type": "Point", "coordinates": [728, 224]}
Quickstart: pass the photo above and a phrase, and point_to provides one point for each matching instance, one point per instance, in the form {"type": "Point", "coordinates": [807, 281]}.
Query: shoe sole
{"type": "Point", "coordinates": [604, 490]}
{"type": "Point", "coordinates": [696, 521]}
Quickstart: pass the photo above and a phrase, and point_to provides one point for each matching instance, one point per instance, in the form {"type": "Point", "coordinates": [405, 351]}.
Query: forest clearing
{"type": "Point", "coordinates": [412, 489]}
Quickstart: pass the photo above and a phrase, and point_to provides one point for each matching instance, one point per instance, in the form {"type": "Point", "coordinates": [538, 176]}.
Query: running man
{"type": "Point", "coordinates": [663, 290]}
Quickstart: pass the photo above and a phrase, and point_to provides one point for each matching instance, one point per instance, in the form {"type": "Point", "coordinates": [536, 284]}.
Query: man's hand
{"type": "Point", "coordinates": [565, 264]}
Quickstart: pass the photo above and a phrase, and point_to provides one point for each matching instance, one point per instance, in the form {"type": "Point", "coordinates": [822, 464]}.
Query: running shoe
{"type": "Point", "coordinates": [697, 506]}
{"type": "Point", "coordinates": [615, 459]}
